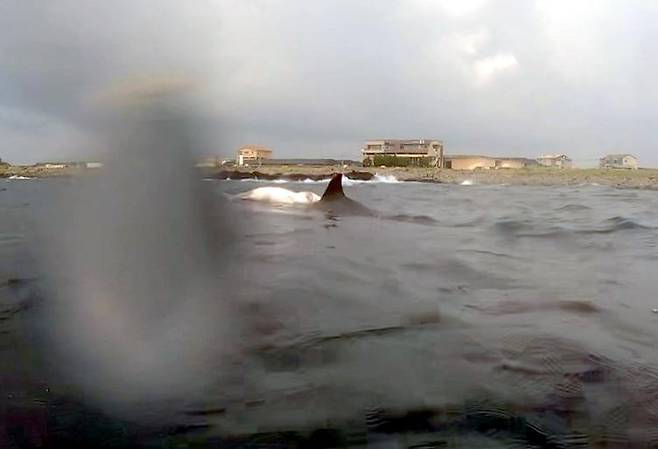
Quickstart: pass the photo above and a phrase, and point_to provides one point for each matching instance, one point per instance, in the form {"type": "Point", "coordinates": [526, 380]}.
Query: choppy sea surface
{"type": "Point", "coordinates": [459, 316]}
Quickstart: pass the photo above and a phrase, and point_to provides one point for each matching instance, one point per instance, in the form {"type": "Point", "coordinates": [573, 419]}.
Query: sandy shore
{"type": "Point", "coordinates": [634, 179]}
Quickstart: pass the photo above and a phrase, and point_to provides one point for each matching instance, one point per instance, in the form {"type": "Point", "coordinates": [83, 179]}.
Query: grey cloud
{"type": "Point", "coordinates": [317, 78]}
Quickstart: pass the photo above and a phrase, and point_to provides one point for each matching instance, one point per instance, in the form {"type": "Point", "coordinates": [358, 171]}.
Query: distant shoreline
{"type": "Point", "coordinates": [630, 179]}
{"type": "Point", "coordinates": [28, 171]}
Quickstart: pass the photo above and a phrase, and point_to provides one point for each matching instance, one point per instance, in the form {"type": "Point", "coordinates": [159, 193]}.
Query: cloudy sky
{"type": "Point", "coordinates": [317, 78]}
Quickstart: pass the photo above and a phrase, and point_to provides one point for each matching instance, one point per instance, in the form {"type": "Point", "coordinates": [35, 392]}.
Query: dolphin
{"type": "Point", "coordinates": [332, 201]}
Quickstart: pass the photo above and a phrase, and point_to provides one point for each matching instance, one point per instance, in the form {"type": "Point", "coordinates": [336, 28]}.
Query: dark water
{"type": "Point", "coordinates": [468, 316]}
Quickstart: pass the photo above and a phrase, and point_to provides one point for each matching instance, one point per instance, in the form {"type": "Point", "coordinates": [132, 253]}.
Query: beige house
{"type": "Point", "coordinates": [555, 161]}
{"type": "Point", "coordinates": [53, 165]}
{"type": "Point", "coordinates": [474, 162]}
{"type": "Point", "coordinates": [469, 162]}
{"type": "Point", "coordinates": [252, 153]}
{"type": "Point", "coordinates": [414, 151]}
{"type": "Point", "coordinates": [619, 161]}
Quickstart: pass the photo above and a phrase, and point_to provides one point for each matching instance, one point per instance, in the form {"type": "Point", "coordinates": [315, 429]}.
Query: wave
{"type": "Point", "coordinates": [553, 232]}
{"type": "Point", "coordinates": [11, 239]}
{"type": "Point", "coordinates": [487, 253]}
{"type": "Point", "coordinates": [284, 181]}
{"type": "Point", "coordinates": [573, 208]}
{"type": "Point", "coordinates": [19, 177]}
{"type": "Point", "coordinates": [389, 179]}
{"type": "Point", "coordinates": [417, 219]}
{"type": "Point", "coordinates": [617, 223]}
{"type": "Point", "coordinates": [530, 229]}
{"type": "Point", "coordinates": [376, 179]}
{"type": "Point", "coordinates": [527, 228]}
{"type": "Point", "coordinates": [512, 226]}
{"type": "Point", "coordinates": [467, 182]}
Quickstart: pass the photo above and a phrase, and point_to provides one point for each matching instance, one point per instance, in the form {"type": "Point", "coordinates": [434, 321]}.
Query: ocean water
{"type": "Point", "coordinates": [458, 316]}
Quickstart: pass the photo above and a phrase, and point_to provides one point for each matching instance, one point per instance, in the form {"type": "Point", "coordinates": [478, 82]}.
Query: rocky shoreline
{"type": "Point", "coordinates": [22, 171]}
{"type": "Point", "coordinates": [289, 176]}
{"type": "Point", "coordinates": [629, 179]}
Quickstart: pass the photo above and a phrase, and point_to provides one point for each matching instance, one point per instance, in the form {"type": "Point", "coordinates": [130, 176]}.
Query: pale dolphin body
{"type": "Point", "coordinates": [279, 195]}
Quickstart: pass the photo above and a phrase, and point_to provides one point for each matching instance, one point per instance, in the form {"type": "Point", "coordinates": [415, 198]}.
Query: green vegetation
{"type": "Point", "coordinates": [396, 161]}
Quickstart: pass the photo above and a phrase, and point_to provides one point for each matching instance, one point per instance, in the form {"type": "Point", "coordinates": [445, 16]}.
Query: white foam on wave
{"type": "Point", "coordinates": [387, 179]}
{"type": "Point", "coordinates": [282, 181]}
{"type": "Point", "coordinates": [376, 179]}
{"type": "Point", "coordinates": [19, 177]}
{"type": "Point", "coordinates": [467, 182]}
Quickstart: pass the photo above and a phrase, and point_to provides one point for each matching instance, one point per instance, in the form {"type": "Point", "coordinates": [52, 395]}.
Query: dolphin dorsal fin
{"type": "Point", "coordinates": [334, 189]}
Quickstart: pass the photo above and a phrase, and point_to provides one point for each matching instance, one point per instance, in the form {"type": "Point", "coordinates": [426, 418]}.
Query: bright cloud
{"type": "Point", "coordinates": [486, 69]}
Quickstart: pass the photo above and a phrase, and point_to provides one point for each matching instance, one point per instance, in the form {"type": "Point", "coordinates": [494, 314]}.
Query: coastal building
{"type": "Point", "coordinates": [422, 152]}
{"type": "Point", "coordinates": [208, 162]}
{"type": "Point", "coordinates": [619, 161]}
{"type": "Point", "coordinates": [68, 164]}
{"type": "Point", "coordinates": [555, 161]}
{"type": "Point", "coordinates": [253, 153]}
{"type": "Point", "coordinates": [475, 162]}
{"type": "Point", "coordinates": [51, 165]}
{"type": "Point", "coordinates": [469, 162]}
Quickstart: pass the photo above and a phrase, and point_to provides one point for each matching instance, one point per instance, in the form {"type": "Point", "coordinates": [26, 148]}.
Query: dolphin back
{"type": "Point", "coordinates": [334, 189]}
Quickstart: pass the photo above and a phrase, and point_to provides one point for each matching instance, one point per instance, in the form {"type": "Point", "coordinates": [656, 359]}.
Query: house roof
{"type": "Point", "coordinates": [403, 140]}
{"type": "Point", "coordinates": [255, 147]}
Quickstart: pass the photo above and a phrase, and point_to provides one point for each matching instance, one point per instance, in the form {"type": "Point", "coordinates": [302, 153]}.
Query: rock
{"type": "Point", "coordinates": [360, 175]}
{"type": "Point", "coordinates": [231, 174]}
